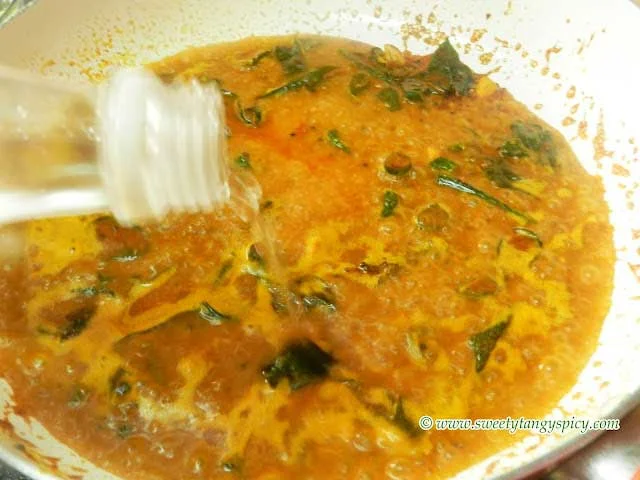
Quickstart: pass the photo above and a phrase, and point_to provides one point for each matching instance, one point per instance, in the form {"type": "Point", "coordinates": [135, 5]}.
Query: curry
{"type": "Point", "coordinates": [428, 247]}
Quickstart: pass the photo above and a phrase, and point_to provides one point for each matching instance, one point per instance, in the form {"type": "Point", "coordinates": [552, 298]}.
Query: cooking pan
{"type": "Point", "coordinates": [574, 63]}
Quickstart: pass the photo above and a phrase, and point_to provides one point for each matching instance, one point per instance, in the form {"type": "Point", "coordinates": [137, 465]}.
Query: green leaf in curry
{"type": "Point", "coordinates": [76, 322]}
{"type": "Point", "coordinates": [250, 116]}
{"type": "Point", "coordinates": [302, 363]}
{"type": "Point", "coordinates": [483, 343]}
{"type": "Point", "coordinates": [310, 81]}
{"type": "Point", "coordinates": [334, 138]}
{"type": "Point", "coordinates": [255, 61]}
{"type": "Point", "coordinates": [446, 74]}
{"type": "Point", "coordinates": [501, 174]}
{"type": "Point", "coordinates": [313, 292]}
{"type": "Point", "coordinates": [460, 186]}
{"type": "Point", "coordinates": [513, 149]}
{"type": "Point", "coordinates": [254, 255]}
{"type": "Point", "coordinates": [243, 160]}
{"type": "Point", "coordinates": [125, 430]}
{"type": "Point", "coordinates": [403, 422]}
{"type": "Point", "coordinates": [291, 58]}
{"type": "Point", "coordinates": [413, 96]}
{"type": "Point", "coordinates": [531, 135]}
{"type": "Point", "coordinates": [389, 96]}
{"type": "Point", "coordinates": [442, 164]}
{"type": "Point", "coordinates": [363, 63]}
{"type": "Point", "coordinates": [536, 138]}
{"type": "Point", "coordinates": [213, 316]}
{"type": "Point", "coordinates": [457, 147]}
{"type": "Point", "coordinates": [359, 83]}
{"type": "Point", "coordinates": [225, 268]}
{"type": "Point", "coordinates": [390, 201]}
{"type": "Point", "coordinates": [414, 89]}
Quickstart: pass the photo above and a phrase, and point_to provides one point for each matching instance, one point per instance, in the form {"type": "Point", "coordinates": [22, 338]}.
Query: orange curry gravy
{"type": "Point", "coordinates": [443, 252]}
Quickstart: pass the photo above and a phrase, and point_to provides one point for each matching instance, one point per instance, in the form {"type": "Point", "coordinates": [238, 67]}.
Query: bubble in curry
{"type": "Point", "coordinates": [434, 249]}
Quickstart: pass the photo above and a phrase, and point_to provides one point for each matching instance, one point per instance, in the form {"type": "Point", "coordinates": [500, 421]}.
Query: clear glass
{"type": "Point", "coordinates": [132, 145]}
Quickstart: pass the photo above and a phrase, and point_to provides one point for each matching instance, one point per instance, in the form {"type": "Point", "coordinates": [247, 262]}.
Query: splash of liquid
{"type": "Point", "coordinates": [245, 197]}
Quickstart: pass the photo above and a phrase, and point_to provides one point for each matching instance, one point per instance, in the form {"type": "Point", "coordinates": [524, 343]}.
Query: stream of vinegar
{"type": "Point", "coordinates": [245, 197]}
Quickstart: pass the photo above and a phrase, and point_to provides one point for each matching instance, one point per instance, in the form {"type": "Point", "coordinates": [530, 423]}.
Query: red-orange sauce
{"type": "Point", "coordinates": [390, 267]}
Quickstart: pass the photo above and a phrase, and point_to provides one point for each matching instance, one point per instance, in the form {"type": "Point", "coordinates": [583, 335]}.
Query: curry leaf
{"type": "Point", "coordinates": [483, 343]}
{"type": "Point", "coordinates": [243, 160]}
{"type": "Point", "coordinates": [413, 96]}
{"type": "Point", "coordinates": [536, 138]}
{"type": "Point", "coordinates": [359, 83]}
{"type": "Point", "coordinates": [446, 74]}
{"type": "Point", "coordinates": [76, 322]}
{"type": "Point", "coordinates": [313, 291]}
{"type": "Point", "coordinates": [255, 61]}
{"type": "Point", "coordinates": [213, 316]}
{"type": "Point", "coordinates": [362, 63]}
{"type": "Point", "coordinates": [460, 186]}
{"type": "Point", "coordinates": [253, 255]}
{"type": "Point", "coordinates": [443, 164]}
{"type": "Point", "coordinates": [224, 270]}
{"type": "Point", "coordinates": [501, 174]}
{"type": "Point", "coordinates": [251, 116]}
{"type": "Point", "coordinates": [390, 201]}
{"type": "Point", "coordinates": [291, 58]}
{"type": "Point", "coordinates": [336, 141]}
{"type": "Point", "coordinates": [403, 422]}
{"type": "Point", "coordinates": [310, 81]}
{"type": "Point", "coordinates": [389, 96]}
{"type": "Point", "coordinates": [301, 363]}
{"type": "Point", "coordinates": [513, 149]}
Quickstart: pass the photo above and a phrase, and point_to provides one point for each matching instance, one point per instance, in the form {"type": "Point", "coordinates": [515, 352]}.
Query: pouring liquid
{"type": "Point", "coordinates": [134, 146]}
{"type": "Point", "coordinates": [245, 199]}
